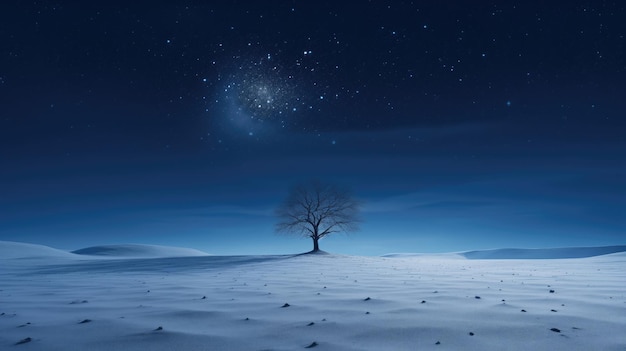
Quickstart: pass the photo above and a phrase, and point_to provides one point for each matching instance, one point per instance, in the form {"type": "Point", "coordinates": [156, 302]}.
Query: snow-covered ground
{"type": "Point", "coordinates": [56, 300]}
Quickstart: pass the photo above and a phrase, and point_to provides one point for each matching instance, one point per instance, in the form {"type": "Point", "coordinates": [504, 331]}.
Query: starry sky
{"type": "Point", "coordinates": [460, 125]}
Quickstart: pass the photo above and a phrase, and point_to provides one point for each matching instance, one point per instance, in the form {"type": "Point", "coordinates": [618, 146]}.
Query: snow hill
{"type": "Point", "coordinates": [511, 254]}
{"type": "Point", "coordinates": [568, 252]}
{"type": "Point", "coordinates": [139, 250]}
{"type": "Point", "coordinates": [12, 250]}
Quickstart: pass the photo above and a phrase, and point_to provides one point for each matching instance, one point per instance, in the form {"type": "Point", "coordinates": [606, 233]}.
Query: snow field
{"type": "Point", "coordinates": [334, 303]}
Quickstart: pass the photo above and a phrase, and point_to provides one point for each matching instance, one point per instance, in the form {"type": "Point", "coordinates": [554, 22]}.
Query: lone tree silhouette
{"type": "Point", "coordinates": [315, 210]}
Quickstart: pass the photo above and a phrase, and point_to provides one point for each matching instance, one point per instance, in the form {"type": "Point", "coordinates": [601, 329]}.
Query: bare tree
{"type": "Point", "coordinates": [315, 210]}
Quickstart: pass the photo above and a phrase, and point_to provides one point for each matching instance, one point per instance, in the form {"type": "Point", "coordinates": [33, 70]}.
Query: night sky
{"type": "Point", "coordinates": [461, 125]}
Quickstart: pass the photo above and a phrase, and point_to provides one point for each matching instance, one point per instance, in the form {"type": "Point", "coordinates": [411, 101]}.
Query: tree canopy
{"type": "Point", "coordinates": [316, 210]}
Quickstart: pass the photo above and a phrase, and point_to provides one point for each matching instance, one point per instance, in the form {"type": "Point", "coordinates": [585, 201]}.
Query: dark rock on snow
{"type": "Point", "coordinates": [24, 341]}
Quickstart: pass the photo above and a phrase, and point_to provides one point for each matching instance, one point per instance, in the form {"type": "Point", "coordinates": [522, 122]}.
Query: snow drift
{"type": "Point", "coordinates": [139, 250]}
{"type": "Point", "coordinates": [10, 249]}
{"type": "Point", "coordinates": [570, 252]}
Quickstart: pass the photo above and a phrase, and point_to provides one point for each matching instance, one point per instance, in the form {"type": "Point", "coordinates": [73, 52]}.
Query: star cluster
{"type": "Point", "coordinates": [264, 93]}
{"type": "Point", "coordinates": [259, 96]}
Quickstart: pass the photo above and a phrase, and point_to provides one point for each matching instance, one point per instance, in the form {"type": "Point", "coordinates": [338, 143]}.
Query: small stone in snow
{"type": "Point", "coordinates": [285, 305]}
{"type": "Point", "coordinates": [310, 324]}
{"type": "Point", "coordinates": [556, 330]}
{"type": "Point", "coordinates": [313, 344]}
{"type": "Point", "coordinates": [366, 299]}
{"type": "Point", "coordinates": [84, 321]}
{"type": "Point", "coordinates": [471, 333]}
{"type": "Point", "coordinates": [76, 302]}
{"type": "Point", "coordinates": [159, 328]}
{"type": "Point", "coordinates": [24, 341]}
{"type": "Point", "coordinates": [438, 343]}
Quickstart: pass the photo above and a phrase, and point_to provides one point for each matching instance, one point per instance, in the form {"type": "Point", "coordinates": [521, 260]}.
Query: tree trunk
{"type": "Point", "coordinates": [316, 246]}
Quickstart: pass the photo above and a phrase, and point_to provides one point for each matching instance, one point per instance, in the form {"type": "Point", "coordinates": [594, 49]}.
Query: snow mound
{"type": "Point", "coordinates": [11, 249]}
{"type": "Point", "coordinates": [617, 254]}
{"type": "Point", "coordinates": [424, 255]}
{"type": "Point", "coordinates": [315, 253]}
{"type": "Point", "coordinates": [553, 253]}
{"type": "Point", "coordinates": [139, 250]}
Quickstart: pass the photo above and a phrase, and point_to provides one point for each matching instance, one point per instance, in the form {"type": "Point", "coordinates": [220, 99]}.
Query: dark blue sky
{"type": "Point", "coordinates": [462, 126]}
